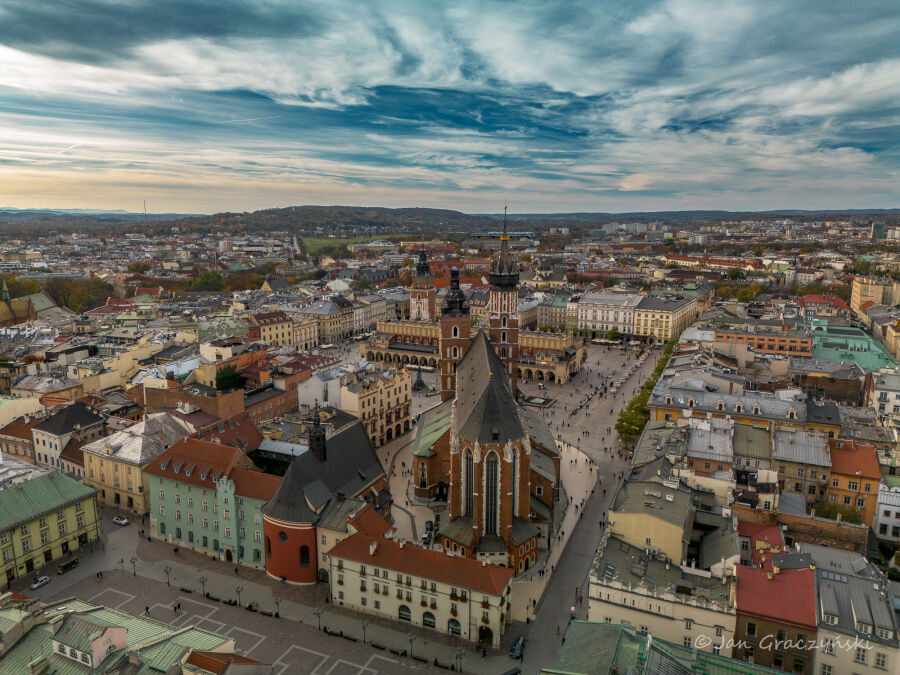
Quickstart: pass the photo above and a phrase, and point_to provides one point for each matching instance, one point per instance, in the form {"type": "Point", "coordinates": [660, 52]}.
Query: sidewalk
{"type": "Point", "coordinates": [306, 604]}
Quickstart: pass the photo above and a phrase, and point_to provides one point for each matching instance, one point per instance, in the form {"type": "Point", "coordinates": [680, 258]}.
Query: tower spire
{"type": "Point", "coordinates": [5, 292]}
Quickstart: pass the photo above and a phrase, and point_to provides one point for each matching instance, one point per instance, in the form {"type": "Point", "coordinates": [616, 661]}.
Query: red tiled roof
{"type": "Point", "coordinates": [368, 521]}
{"type": "Point", "coordinates": [72, 453]}
{"type": "Point", "coordinates": [788, 597]}
{"type": "Point", "coordinates": [204, 462]}
{"type": "Point", "coordinates": [770, 535]}
{"type": "Point", "coordinates": [20, 428]}
{"type": "Point", "coordinates": [425, 563]}
{"type": "Point", "coordinates": [816, 299]}
{"type": "Point", "coordinates": [215, 662]}
{"type": "Point", "coordinates": [851, 458]}
{"type": "Point", "coordinates": [254, 484]}
{"type": "Point", "coordinates": [232, 431]}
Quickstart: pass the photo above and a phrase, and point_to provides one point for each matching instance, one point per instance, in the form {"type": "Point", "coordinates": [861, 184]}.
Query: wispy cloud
{"type": "Point", "coordinates": [573, 105]}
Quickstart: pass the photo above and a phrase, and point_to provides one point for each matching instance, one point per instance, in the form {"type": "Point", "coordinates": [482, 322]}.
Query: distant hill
{"type": "Point", "coordinates": [374, 220]}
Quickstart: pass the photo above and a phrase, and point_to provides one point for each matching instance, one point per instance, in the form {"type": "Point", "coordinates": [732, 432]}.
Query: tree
{"type": "Point", "coordinates": [736, 273]}
{"type": "Point", "coordinates": [613, 334]}
{"type": "Point", "coordinates": [229, 378]}
{"type": "Point", "coordinates": [138, 266]}
{"type": "Point", "coordinates": [79, 295]}
{"type": "Point", "coordinates": [525, 257]}
{"type": "Point", "coordinates": [19, 287]}
{"type": "Point", "coordinates": [208, 280]}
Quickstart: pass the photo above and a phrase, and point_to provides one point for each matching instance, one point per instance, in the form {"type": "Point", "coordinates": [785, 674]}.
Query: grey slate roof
{"type": "Point", "coordinates": [65, 420]}
{"type": "Point", "coordinates": [350, 464]}
{"type": "Point", "coordinates": [640, 497]}
{"type": "Point", "coordinates": [803, 447]}
{"type": "Point", "coordinates": [141, 442]}
{"type": "Point", "coordinates": [485, 408]}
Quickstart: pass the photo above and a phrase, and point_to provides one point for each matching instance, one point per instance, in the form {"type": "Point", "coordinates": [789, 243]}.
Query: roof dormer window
{"type": "Point", "coordinates": [691, 403]}
{"type": "Point", "coordinates": [792, 414]}
{"type": "Point", "coordinates": [720, 405]}
{"type": "Point", "coordinates": [756, 410]}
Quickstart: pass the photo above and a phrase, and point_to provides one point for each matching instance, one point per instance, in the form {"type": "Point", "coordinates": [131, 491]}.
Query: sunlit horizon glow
{"type": "Point", "coordinates": [199, 107]}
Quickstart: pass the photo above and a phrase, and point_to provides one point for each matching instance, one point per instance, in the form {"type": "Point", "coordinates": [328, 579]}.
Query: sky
{"type": "Point", "coordinates": [552, 105]}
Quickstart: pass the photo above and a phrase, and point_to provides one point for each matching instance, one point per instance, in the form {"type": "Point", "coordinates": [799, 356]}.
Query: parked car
{"type": "Point", "coordinates": [119, 520]}
{"type": "Point", "coordinates": [66, 566]}
{"type": "Point", "coordinates": [40, 581]}
{"type": "Point", "coordinates": [518, 649]}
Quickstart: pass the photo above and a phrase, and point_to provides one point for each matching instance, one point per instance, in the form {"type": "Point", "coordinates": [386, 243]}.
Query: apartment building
{"type": "Point", "coordinates": [770, 340]}
{"type": "Point", "coordinates": [661, 318]}
{"type": "Point", "coordinates": [16, 439]}
{"type": "Point", "coordinates": [44, 519]}
{"type": "Point", "coordinates": [272, 328]}
{"type": "Point", "coordinates": [803, 462]}
{"type": "Point", "coordinates": [114, 465]}
{"type": "Point", "coordinates": [74, 422]}
{"type": "Point", "coordinates": [381, 400]}
{"type": "Point", "coordinates": [306, 334]}
{"type": "Point", "coordinates": [887, 512]}
{"type": "Point", "coordinates": [402, 582]}
{"type": "Point", "coordinates": [335, 322]}
{"type": "Point", "coordinates": [856, 614]}
{"type": "Point", "coordinates": [667, 600]}
{"type": "Point", "coordinates": [603, 312]}
{"type": "Point", "coordinates": [855, 477]}
{"type": "Point", "coordinates": [208, 497]}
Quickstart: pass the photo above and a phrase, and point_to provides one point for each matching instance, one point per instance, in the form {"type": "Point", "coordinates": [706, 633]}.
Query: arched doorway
{"type": "Point", "coordinates": [397, 431]}
{"type": "Point", "coordinates": [453, 627]}
{"type": "Point", "coordinates": [551, 376]}
{"type": "Point", "coordinates": [390, 434]}
{"type": "Point", "coordinates": [404, 614]}
{"type": "Point", "coordinates": [428, 620]}
{"type": "Point", "coordinates": [406, 425]}
{"type": "Point", "coordinates": [485, 636]}
{"type": "Point", "coordinates": [228, 555]}
{"type": "Point", "coordinates": [370, 356]}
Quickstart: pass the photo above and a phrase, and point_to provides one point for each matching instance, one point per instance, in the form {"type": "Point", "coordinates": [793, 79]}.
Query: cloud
{"type": "Point", "coordinates": [581, 105]}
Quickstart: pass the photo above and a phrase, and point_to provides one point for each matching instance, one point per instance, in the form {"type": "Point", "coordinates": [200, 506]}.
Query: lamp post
{"type": "Point", "coordinates": [277, 602]}
{"type": "Point", "coordinates": [203, 581]}
{"type": "Point", "coordinates": [364, 624]}
{"type": "Point", "coordinates": [318, 614]}
{"type": "Point", "coordinates": [133, 562]}
{"type": "Point", "coordinates": [168, 571]}
{"type": "Point", "coordinates": [238, 590]}
{"type": "Point", "coordinates": [122, 563]}
{"type": "Point", "coordinates": [460, 652]}
{"type": "Point", "coordinates": [411, 638]}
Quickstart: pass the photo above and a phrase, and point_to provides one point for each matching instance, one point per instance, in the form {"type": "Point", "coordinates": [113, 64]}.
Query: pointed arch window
{"type": "Point", "coordinates": [491, 490]}
{"type": "Point", "coordinates": [468, 482]}
{"type": "Point", "coordinates": [454, 331]}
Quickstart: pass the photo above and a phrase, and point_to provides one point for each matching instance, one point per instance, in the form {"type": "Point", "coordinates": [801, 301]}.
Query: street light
{"type": "Point", "coordinates": [460, 652]}
{"type": "Point", "coordinates": [411, 638]}
{"type": "Point", "coordinates": [203, 581]}
{"type": "Point", "coordinates": [122, 563]}
{"type": "Point", "coordinates": [168, 571]}
{"type": "Point", "coordinates": [277, 602]}
{"type": "Point", "coordinates": [238, 589]}
{"type": "Point", "coordinates": [318, 614]}
{"type": "Point", "coordinates": [133, 562]}
{"type": "Point", "coordinates": [364, 624]}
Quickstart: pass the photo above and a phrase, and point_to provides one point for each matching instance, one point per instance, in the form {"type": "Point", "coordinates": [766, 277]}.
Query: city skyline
{"type": "Point", "coordinates": [558, 107]}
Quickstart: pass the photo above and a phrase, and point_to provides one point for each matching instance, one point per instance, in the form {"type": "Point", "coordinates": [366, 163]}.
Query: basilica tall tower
{"type": "Point", "coordinates": [422, 294]}
{"type": "Point", "coordinates": [503, 308]}
{"type": "Point", "coordinates": [456, 328]}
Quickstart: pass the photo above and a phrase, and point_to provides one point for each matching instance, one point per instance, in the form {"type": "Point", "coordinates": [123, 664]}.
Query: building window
{"type": "Point", "coordinates": [492, 488]}
{"type": "Point", "coordinates": [860, 656]}
{"type": "Point", "coordinates": [304, 557]}
{"type": "Point", "coordinates": [751, 629]}
{"type": "Point", "coordinates": [880, 660]}
{"type": "Point", "coordinates": [469, 480]}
